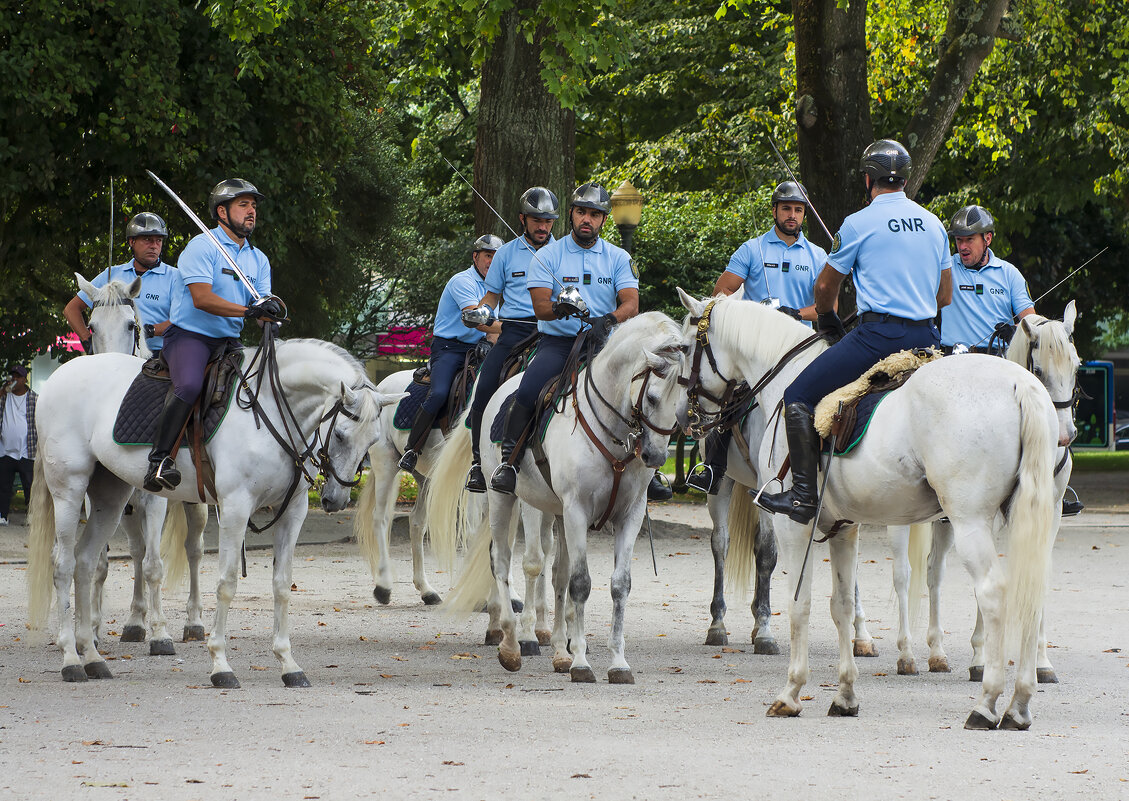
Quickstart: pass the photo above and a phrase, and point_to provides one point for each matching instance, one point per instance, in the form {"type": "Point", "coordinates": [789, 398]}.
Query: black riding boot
{"type": "Point", "coordinates": [475, 480]}
{"type": "Point", "coordinates": [707, 476]}
{"type": "Point", "coordinates": [658, 489]}
{"type": "Point", "coordinates": [162, 469]}
{"type": "Point", "coordinates": [799, 501]}
{"type": "Point", "coordinates": [504, 479]}
{"type": "Point", "coordinates": [421, 430]}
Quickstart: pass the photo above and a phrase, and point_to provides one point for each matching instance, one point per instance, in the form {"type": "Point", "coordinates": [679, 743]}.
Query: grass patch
{"type": "Point", "coordinates": [1101, 461]}
{"type": "Point", "coordinates": [408, 490]}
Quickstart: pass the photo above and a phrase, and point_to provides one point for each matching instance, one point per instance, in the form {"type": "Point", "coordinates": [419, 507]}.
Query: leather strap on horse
{"type": "Point", "coordinates": [618, 465]}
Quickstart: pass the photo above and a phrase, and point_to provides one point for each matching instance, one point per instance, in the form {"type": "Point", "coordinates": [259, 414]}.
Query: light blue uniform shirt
{"type": "Point", "coordinates": [508, 273]}
{"type": "Point", "coordinates": [462, 290]}
{"type": "Point", "coordinates": [996, 293]}
{"type": "Point", "coordinates": [771, 268]}
{"type": "Point", "coordinates": [201, 263]}
{"type": "Point", "coordinates": [896, 250]}
{"type": "Point", "coordinates": [153, 301]}
{"type": "Point", "coordinates": [599, 272]}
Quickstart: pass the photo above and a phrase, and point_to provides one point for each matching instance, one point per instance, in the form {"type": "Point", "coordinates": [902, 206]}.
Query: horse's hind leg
{"type": "Point", "coordinates": [285, 538]}
{"type": "Point", "coordinates": [541, 623]}
{"type": "Point", "coordinates": [942, 542]}
{"type": "Point", "coordinates": [863, 642]}
{"type": "Point", "coordinates": [196, 515]}
{"type": "Point", "coordinates": [419, 570]}
{"type": "Point", "coordinates": [562, 658]}
{"type": "Point", "coordinates": [533, 565]}
{"type": "Point", "coordinates": [718, 506]}
{"type": "Point", "coordinates": [101, 573]}
{"type": "Point", "coordinates": [763, 641]}
{"type": "Point", "coordinates": [150, 509]}
{"type": "Point", "coordinates": [501, 554]}
{"type": "Point", "coordinates": [844, 575]}
{"type": "Point", "coordinates": [132, 524]}
{"type": "Point", "coordinates": [899, 542]}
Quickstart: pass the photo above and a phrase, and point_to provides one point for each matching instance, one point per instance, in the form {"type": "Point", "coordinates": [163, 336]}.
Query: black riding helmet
{"type": "Point", "coordinates": [229, 189]}
{"type": "Point", "coordinates": [789, 192]}
{"type": "Point", "coordinates": [972, 220]}
{"type": "Point", "coordinates": [886, 160]}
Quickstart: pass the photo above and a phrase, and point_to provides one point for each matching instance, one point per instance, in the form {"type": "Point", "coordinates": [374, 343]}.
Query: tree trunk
{"type": "Point", "coordinates": [833, 107]}
{"type": "Point", "coordinates": [524, 138]}
{"type": "Point", "coordinates": [970, 36]}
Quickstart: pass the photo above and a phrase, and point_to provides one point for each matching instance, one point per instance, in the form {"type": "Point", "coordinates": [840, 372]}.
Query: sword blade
{"type": "Point", "coordinates": [803, 191]}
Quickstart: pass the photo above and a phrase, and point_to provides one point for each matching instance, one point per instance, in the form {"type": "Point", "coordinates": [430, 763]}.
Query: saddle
{"type": "Point", "coordinates": [457, 397]}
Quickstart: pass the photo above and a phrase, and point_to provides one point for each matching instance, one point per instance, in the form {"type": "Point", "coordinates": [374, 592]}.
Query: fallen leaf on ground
{"type": "Point", "coordinates": [807, 697]}
{"type": "Point", "coordinates": [452, 762]}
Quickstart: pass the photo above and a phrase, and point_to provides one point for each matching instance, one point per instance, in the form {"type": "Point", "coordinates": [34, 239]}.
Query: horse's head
{"type": "Point", "coordinates": [1046, 348]}
{"type": "Point", "coordinates": [114, 324]}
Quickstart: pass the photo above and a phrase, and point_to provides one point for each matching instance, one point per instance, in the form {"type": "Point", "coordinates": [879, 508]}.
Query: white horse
{"type": "Point", "coordinates": [334, 416]}
{"type": "Point", "coordinates": [116, 328]}
{"type": "Point", "coordinates": [626, 401]}
{"type": "Point", "coordinates": [924, 455]}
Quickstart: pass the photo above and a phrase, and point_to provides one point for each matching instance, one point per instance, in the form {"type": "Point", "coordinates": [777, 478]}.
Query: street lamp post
{"type": "Point", "coordinates": [627, 210]}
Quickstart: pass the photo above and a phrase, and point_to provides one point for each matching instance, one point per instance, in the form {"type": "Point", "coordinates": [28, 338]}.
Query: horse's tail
{"type": "Point", "coordinates": [920, 543]}
{"type": "Point", "coordinates": [1030, 519]}
{"type": "Point", "coordinates": [476, 578]}
{"type": "Point", "coordinates": [173, 555]}
{"type": "Point", "coordinates": [741, 560]}
{"type": "Point", "coordinates": [40, 549]}
{"type": "Point", "coordinates": [447, 515]}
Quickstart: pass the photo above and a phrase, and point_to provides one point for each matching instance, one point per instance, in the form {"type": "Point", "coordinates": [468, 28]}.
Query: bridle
{"type": "Point", "coordinates": [1076, 395]}
{"type": "Point", "coordinates": [136, 322]}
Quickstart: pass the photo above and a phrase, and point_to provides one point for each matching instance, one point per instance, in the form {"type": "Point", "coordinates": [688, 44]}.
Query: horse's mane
{"type": "Point", "coordinates": [624, 348]}
{"type": "Point", "coordinates": [361, 379]}
{"type": "Point", "coordinates": [1053, 341]}
{"type": "Point", "coordinates": [114, 293]}
{"type": "Point", "coordinates": [756, 330]}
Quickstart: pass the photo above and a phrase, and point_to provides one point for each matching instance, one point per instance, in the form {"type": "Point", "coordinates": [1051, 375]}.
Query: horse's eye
{"type": "Point", "coordinates": [1038, 371]}
{"type": "Point", "coordinates": [337, 435]}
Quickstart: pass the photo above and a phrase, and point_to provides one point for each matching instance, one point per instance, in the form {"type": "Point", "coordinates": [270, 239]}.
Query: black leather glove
{"type": "Point", "coordinates": [602, 328]}
{"type": "Point", "coordinates": [1004, 332]}
{"type": "Point", "coordinates": [793, 313]}
{"type": "Point", "coordinates": [264, 308]}
{"type": "Point", "coordinates": [482, 350]}
{"type": "Point", "coordinates": [149, 330]}
{"type": "Point", "coordinates": [87, 344]}
{"type": "Point", "coordinates": [562, 310]}
{"type": "Point", "coordinates": [829, 325]}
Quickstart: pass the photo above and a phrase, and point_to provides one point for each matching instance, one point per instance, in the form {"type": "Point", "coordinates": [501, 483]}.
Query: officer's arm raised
{"type": "Point", "coordinates": [827, 290]}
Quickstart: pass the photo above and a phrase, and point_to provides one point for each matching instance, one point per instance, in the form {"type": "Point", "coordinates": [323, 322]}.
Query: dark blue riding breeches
{"type": "Point", "coordinates": [547, 364]}
{"type": "Point", "coordinates": [447, 357]}
{"type": "Point", "coordinates": [490, 372]}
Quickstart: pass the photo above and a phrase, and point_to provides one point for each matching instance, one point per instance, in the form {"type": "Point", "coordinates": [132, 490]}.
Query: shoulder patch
{"type": "Point", "coordinates": [634, 268]}
{"type": "Point", "coordinates": [836, 243]}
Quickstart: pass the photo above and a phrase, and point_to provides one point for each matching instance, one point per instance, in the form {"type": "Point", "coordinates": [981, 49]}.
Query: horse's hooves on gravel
{"type": "Point", "coordinates": [977, 722]}
{"type": "Point", "coordinates": [509, 660]}
{"type": "Point", "coordinates": [194, 634]}
{"type": "Point", "coordinates": [906, 667]}
{"type": "Point", "coordinates": [1046, 676]}
{"type": "Point", "coordinates": [976, 673]}
{"type": "Point", "coordinates": [621, 676]}
{"type": "Point", "coordinates": [766, 646]}
{"type": "Point", "coordinates": [837, 711]}
{"type": "Point", "coordinates": [383, 595]}
{"type": "Point", "coordinates": [431, 599]}
{"type": "Point", "coordinates": [562, 664]}
{"type": "Point", "coordinates": [865, 648]}
{"type": "Point", "coordinates": [517, 606]}
{"type": "Point", "coordinates": [225, 681]}
{"type": "Point", "coordinates": [133, 634]}
{"type": "Point", "coordinates": [717, 637]}
{"type": "Point", "coordinates": [582, 675]}
{"type": "Point", "coordinates": [74, 673]}
{"type": "Point", "coordinates": [98, 670]}
{"type": "Point", "coordinates": [493, 637]}
{"type": "Point", "coordinates": [161, 648]}
{"type": "Point", "coordinates": [544, 636]}
{"type": "Point", "coordinates": [779, 709]}
{"type": "Point", "coordinates": [1009, 723]}
{"type": "Point", "coordinates": [530, 648]}
{"type": "Point", "coordinates": [939, 664]}
{"type": "Point", "coordinates": [297, 679]}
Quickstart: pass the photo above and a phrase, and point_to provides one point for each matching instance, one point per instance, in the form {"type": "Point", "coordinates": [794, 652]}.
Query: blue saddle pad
{"type": "Point", "coordinates": [498, 425]}
{"type": "Point", "coordinates": [136, 423]}
{"type": "Point", "coordinates": [408, 407]}
{"type": "Point", "coordinates": [866, 407]}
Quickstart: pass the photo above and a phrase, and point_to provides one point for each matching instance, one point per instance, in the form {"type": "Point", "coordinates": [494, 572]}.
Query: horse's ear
{"type": "Point", "coordinates": [1068, 318]}
{"type": "Point", "coordinates": [86, 286]}
{"type": "Point", "coordinates": [347, 395]}
{"type": "Point", "coordinates": [695, 307]}
{"type": "Point", "coordinates": [657, 361]}
{"type": "Point", "coordinates": [134, 288]}
{"type": "Point", "coordinates": [386, 399]}
{"type": "Point", "coordinates": [1028, 328]}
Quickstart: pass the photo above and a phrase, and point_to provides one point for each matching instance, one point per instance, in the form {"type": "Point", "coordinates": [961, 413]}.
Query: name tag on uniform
{"type": "Point", "coordinates": [570, 279]}
{"type": "Point", "coordinates": [231, 272]}
{"type": "Point", "coordinates": [771, 264]}
{"type": "Point", "coordinates": [518, 275]}
{"type": "Point", "coordinates": [967, 287]}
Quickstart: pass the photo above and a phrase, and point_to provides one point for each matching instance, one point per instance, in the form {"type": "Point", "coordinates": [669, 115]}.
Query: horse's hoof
{"type": "Point", "coordinates": [297, 679]}
{"type": "Point", "coordinates": [562, 664]}
{"type": "Point", "coordinates": [530, 648]}
{"type": "Point", "coordinates": [544, 636]}
{"type": "Point", "coordinates": [766, 646]}
{"type": "Point", "coordinates": [779, 709]}
{"type": "Point", "coordinates": [509, 660]}
{"type": "Point", "coordinates": [193, 634]}
{"type": "Point", "coordinates": [1046, 676]}
{"type": "Point", "coordinates": [161, 648]}
{"type": "Point", "coordinates": [383, 595]}
{"type": "Point", "coordinates": [431, 599]}
{"type": "Point", "coordinates": [837, 711]}
{"type": "Point", "coordinates": [865, 648]}
{"type": "Point", "coordinates": [582, 675]}
{"type": "Point", "coordinates": [976, 673]}
{"type": "Point", "coordinates": [493, 637]}
{"type": "Point", "coordinates": [517, 606]}
{"type": "Point", "coordinates": [74, 673]}
{"type": "Point", "coordinates": [98, 670]}
{"type": "Point", "coordinates": [906, 667]}
{"type": "Point", "coordinates": [133, 634]}
{"type": "Point", "coordinates": [977, 722]}
{"type": "Point", "coordinates": [621, 676]}
{"type": "Point", "coordinates": [939, 664]}
{"type": "Point", "coordinates": [717, 637]}
{"type": "Point", "coordinates": [1010, 723]}
{"type": "Point", "coordinates": [225, 681]}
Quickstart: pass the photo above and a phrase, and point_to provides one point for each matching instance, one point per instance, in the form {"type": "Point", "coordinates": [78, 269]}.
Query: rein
{"type": "Point", "coordinates": [1075, 396]}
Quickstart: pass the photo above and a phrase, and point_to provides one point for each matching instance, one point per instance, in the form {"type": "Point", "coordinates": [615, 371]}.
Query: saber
{"type": "Point", "coordinates": [110, 255]}
{"type": "Point", "coordinates": [207, 232]}
{"type": "Point", "coordinates": [818, 509]}
{"type": "Point", "coordinates": [803, 191]}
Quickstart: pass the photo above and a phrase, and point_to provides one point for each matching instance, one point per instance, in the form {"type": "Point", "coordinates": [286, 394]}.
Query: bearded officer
{"type": "Point", "coordinates": [209, 304]}
{"type": "Point", "coordinates": [777, 268]}
{"type": "Point", "coordinates": [605, 279]}
{"type": "Point", "coordinates": [146, 234]}
{"type": "Point", "coordinates": [451, 341]}
{"type": "Point", "coordinates": [506, 291]}
{"type": "Point", "coordinates": [898, 255]}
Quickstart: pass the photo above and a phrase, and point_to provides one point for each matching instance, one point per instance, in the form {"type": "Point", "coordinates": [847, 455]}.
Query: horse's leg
{"type": "Point", "coordinates": [501, 554]}
{"type": "Point", "coordinates": [844, 582]}
{"type": "Point", "coordinates": [718, 506]}
{"type": "Point", "coordinates": [976, 666]}
{"type": "Point", "coordinates": [132, 524]}
{"type": "Point", "coordinates": [67, 507]}
{"type": "Point", "coordinates": [579, 588]}
{"type": "Point", "coordinates": [763, 641]}
{"type": "Point", "coordinates": [1044, 670]}
{"type": "Point", "coordinates": [942, 542]}
{"type": "Point", "coordinates": [385, 479]}
{"type": "Point", "coordinates": [899, 543]}
{"type": "Point", "coordinates": [541, 622]}
{"type": "Point", "coordinates": [562, 659]}
{"type": "Point", "coordinates": [235, 512]}
{"type": "Point", "coordinates": [863, 642]}
{"type": "Point", "coordinates": [415, 526]}
{"type": "Point", "coordinates": [150, 513]}
{"type": "Point", "coordinates": [286, 533]}
{"type": "Point", "coordinates": [793, 537]}
{"type": "Point", "coordinates": [533, 565]}
{"type": "Point", "coordinates": [196, 515]}
{"type": "Point", "coordinates": [626, 530]}
{"type": "Point", "coordinates": [101, 573]}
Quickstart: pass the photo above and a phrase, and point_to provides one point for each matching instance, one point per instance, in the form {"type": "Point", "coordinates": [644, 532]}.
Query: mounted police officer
{"type": "Point", "coordinates": [209, 304]}
{"type": "Point", "coordinates": [506, 291]}
{"type": "Point", "coordinates": [777, 268]}
{"type": "Point", "coordinates": [898, 254]}
{"type": "Point", "coordinates": [608, 288]}
{"type": "Point", "coordinates": [146, 234]}
{"type": "Point", "coordinates": [451, 341]}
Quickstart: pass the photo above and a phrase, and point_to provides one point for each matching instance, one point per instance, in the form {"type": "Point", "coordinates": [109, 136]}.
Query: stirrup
{"type": "Point", "coordinates": [504, 479]}
{"type": "Point", "coordinates": [162, 475]}
{"type": "Point", "coordinates": [1074, 507]}
{"type": "Point", "coordinates": [408, 460]}
{"type": "Point", "coordinates": [702, 479]}
{"type": "Point", "coordinates": [475, 480]}
{"type": "Point", "coordinates": [658, 489]}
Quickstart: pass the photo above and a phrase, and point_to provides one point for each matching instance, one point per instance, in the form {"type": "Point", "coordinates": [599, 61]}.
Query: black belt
{"type": "Point", "coordinates": [878, 317]}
